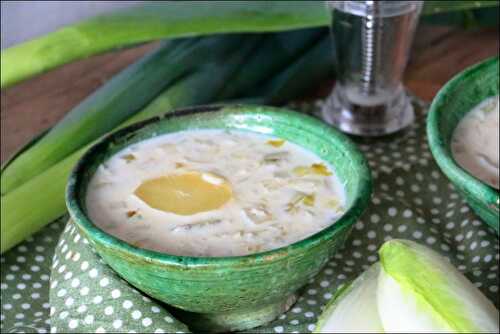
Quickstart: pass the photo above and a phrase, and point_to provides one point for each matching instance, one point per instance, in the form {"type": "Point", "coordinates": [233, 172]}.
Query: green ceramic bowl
{"type": "Point", "coordinates": [452, 103]}
{"type": "Point", "coordinates": [227, 293]}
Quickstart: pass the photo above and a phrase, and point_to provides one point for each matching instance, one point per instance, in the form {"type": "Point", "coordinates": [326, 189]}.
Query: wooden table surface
{"type": "Point", "coordinates": [34, 105]}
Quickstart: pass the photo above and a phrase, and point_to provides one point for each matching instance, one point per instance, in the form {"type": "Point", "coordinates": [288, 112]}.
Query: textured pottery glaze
{"type": "Point", "coordinates": [227, 293]}
{"type": "Point", "coordinates": [459, 96]}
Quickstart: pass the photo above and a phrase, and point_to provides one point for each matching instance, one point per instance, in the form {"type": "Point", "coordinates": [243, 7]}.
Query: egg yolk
{"type": "Point", "coordinates": [185, 194]}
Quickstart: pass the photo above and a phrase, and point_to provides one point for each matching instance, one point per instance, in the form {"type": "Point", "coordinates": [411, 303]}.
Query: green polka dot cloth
{"type": "Point", "coordinates": [412, 199]}
{"type": "Point", "coordinates": [24, 282]}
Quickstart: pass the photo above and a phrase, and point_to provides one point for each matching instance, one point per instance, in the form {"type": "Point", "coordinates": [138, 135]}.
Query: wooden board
{"type": "Point", "coordinates": [32, 106]}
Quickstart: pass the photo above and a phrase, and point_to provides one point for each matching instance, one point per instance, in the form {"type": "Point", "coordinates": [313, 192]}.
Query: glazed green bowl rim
{"type": "Point", "coordinates": [473, 186]}
{"type": "Point", "coordinates": [359, 203]}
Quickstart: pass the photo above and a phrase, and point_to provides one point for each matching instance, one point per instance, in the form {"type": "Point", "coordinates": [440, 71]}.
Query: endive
{"type": "Point", "coordinates": [420, 291]}
{"type": "Point", "coordinates": [412, 290]}
{"type": "Point", "coordinates": [354, 308]}
{"type": "Point", "coordinates": [161, 19]}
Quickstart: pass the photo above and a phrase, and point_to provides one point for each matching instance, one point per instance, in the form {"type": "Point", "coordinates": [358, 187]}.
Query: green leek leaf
{"type": "Point", "coordinates": [152, 21]}
{"type": "Point", "coordinates": [159, 20]}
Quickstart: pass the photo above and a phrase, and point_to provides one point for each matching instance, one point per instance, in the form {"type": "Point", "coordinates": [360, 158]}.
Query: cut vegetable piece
{"type": "Point", "coordinates": [129, 157]}
{"type": "Point", "coordinates": [334, 204]}
{"type": "Point", "coordinates": [314, 169]}
{"type": "Point", "coordinates": [276, 142]}
{"type": "Point", "coordinates": [309, 200]}
{"type": "Point", "coordinates": [320, 169]}
{"type": "Point", "coordinates": [131, 213]}
{"type": "Point", "coordinates": [276, 157]}
{"type": "Point", "coordinates": [293, 205]}
{"type": "Point", "coordinates": [420, 291]}
{"type": "Point", "coordinates": [354, 308]}
{"type": "Point", "coordinates": [185, 194]}
{"type": "Point", "coordinates": [258, 214]}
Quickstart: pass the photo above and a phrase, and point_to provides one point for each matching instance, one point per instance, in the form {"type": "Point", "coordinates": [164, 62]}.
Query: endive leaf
{"type": "Point", "coordinates": [420, 291]}
{"type": "Point", "coordinates": [354, 308]}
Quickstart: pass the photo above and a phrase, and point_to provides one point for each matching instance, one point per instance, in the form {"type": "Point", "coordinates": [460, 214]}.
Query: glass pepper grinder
{"type": "Point", "coordinates": [372, 42]}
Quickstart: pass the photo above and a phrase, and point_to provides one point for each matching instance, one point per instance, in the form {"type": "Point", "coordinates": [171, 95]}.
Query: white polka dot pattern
{"type": "Point", "coordinates": [24, 283]}
{"type": "Point", "coordinates": [94, 299]}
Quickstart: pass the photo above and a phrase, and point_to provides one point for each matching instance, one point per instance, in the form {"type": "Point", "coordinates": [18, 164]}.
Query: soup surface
{"type": "Point", "coordinates": [475, 142]}
{"type": "Point", "coordinates": [214, 193]}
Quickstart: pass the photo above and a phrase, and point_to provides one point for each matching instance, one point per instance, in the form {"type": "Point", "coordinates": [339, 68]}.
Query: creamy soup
{"type": "Point", "coordinates": [475, 142]}
{"type": "Point", "coordinates": [214, 193]}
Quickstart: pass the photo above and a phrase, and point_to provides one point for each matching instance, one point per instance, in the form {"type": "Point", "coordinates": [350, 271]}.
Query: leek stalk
{"type": "Point", "coordinates": [151, 21]}
{"type": "Point", "coordinates": [159, 20]}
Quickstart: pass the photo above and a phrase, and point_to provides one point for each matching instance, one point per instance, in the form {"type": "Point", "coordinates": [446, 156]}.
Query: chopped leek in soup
{"type": "Point", "coordinates": [214, 193]}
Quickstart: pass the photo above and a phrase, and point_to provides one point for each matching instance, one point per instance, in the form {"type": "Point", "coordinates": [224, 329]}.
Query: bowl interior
{"type": "Point", "coordinates": [328, 144]}
{"type": "Point", "coordinates": [465, 92]}
{"type": "Point", "coordinates": [459, 96]}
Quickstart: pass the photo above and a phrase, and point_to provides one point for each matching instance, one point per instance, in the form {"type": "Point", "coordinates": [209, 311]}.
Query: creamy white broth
{"type": "Point", "coordinates": [475, 142]}
{"type": "Point", "coordinates": [273, 193]}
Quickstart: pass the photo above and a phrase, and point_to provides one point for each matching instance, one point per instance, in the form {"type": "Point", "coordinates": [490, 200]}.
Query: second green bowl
{"type": "Point", "coordinates": [459, 96]}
